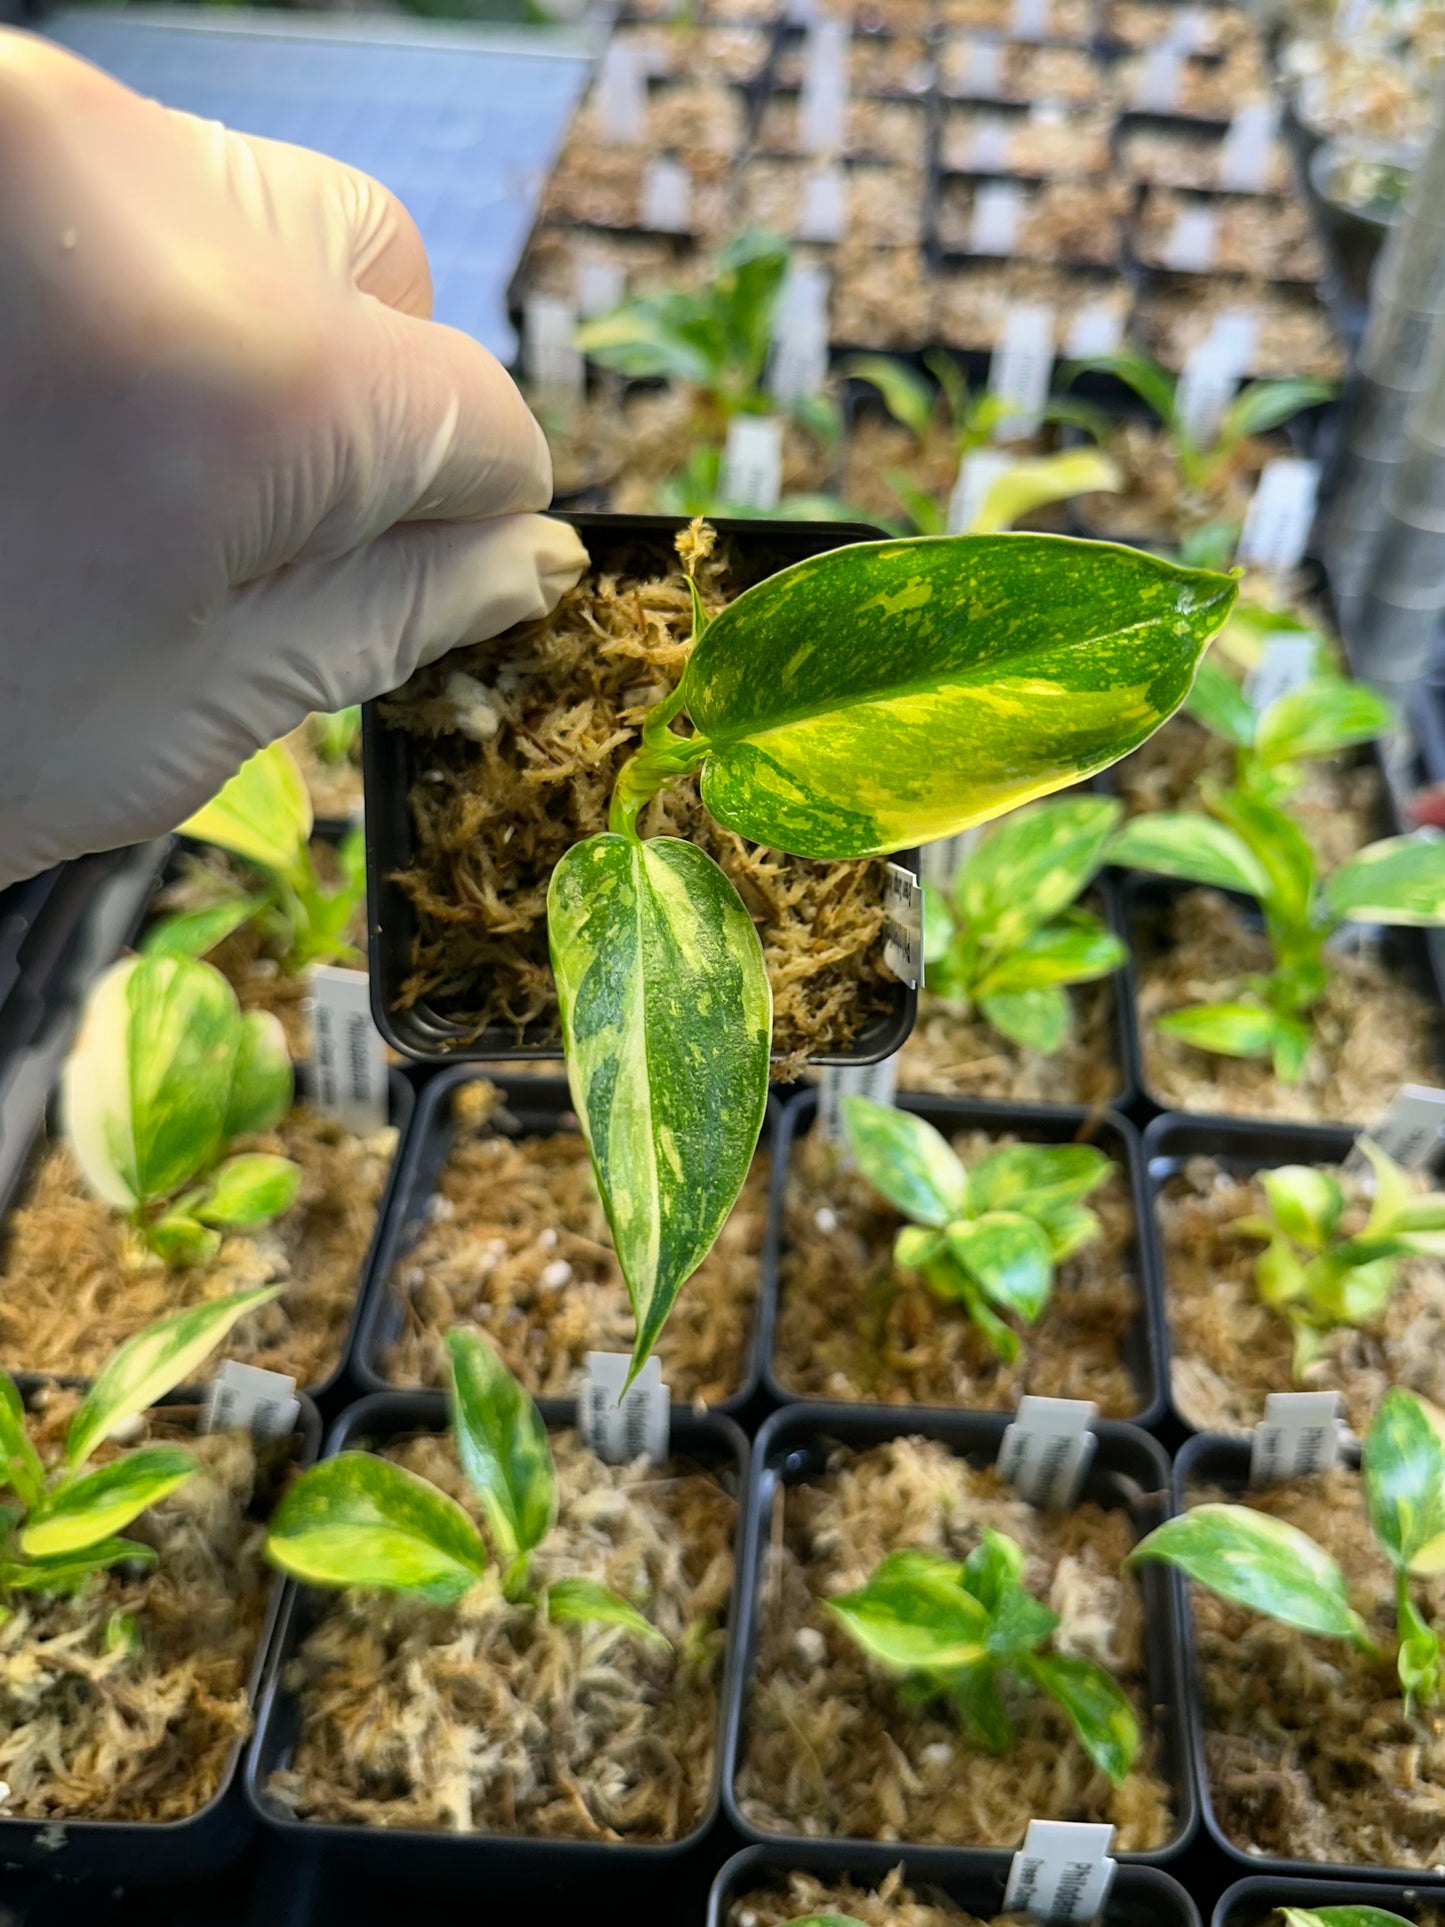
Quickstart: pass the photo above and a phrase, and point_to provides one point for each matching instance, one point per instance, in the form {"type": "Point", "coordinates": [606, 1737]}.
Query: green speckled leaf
{"type": "Point", "coordinates": [667, 1017]}
{"type": "Point", "coordinates": [1263, 1563]}
{"type": "Point", "coordinates": [1403, 1467]}
{"type": "Point", "coordinates": [357, 1520]}
{"type": "Point", "coordinates": [890, 693]}
{"type": "Point", "coordinates": [1399, 880]}
{"type": "Point", "coordinates": [99, 1504]}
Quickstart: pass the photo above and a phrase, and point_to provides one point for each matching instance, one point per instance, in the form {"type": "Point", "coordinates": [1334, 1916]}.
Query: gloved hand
{"type": "Point", "coordinates": [242, 476]}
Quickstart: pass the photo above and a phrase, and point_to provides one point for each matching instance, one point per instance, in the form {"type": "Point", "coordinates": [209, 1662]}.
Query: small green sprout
{"type": "Point", "coordinates": [334, 733]}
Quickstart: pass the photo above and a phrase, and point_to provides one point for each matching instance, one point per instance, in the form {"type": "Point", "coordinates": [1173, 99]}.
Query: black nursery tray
{"type": "Point", "coordinates": [430, 1031]}
{"type": "Point", "coordinates": [1252, 1902]}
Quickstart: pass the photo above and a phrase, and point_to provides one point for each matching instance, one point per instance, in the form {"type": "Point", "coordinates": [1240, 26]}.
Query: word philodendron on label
{"type": "Point", "coordinates": [903, 930]}
{"type": "Point", "coordinates": [1062, 1871]}
{"type": "Point", "coordinates": [1021, 368]}
{"type": "Point", "coordinates": [244, 1398]}
{"type": "Point", "coordinates": [1299, 1434]}
{"type": "Point", "coordinates": [349, 1058]}
{"type": "Point", "coordinates": [621, 1426]}
{"type": "Point", "coordinates": [1047, 1449]}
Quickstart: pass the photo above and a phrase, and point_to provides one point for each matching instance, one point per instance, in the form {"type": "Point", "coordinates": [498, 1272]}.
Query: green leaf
{"type": "Point", "coordinates": [20, 1467]}
{"type": "Point", "coordinates": [1217, 701]}
{"type": "Point", "coordinates": [1189, 845]}
{"type": "Point", "coordinates": [584, 1602]}
{"type": "Point", "coordinates": [195, 933]}
{"type": "Point", "coordinates": [357, 1520]}
{"type": "Point", "coordinates": [1341, 1917]}
{"type": "Point", "coordinates": [938, 926]}
{"type": "Point", "coordinates": [82, 1512]}
{"type": "Point", "coordinates": [1030, 485]}
{"type": "Point", "coordinates": [915, 1247]}
{"type": "Point", "coordinates": [1038, 1019]}
{"type": "Point", "coordinates": [68, 1573]}
{"type": "Point", "coordinates": [263, 815]}
{"type": "Point", "coordinates": [1400, 880]}
{"type": "Point", "coordinates": [502, 1444]}
{"type": "Point", "coordinates": [913, 1612]}
{"type": "Point", "coordinates": [1403, 1467]}
{"type": "Point", "coordinates": [1031, 1177]}
{"type": "Point", "coordinates": [1279, 847]}
{"type": "Point", "coordinates": [182, 1240]}
{"type": "Point", "coordinates": [1279, 1277]}
{"type": "Point", "coordinates": [1075, 952]}
{"type": "Point", "coordinates": [1068, 1227]}
{"type": "Point", "coordinates": [994, 1568]}
{"type": "Point", "coordinates": [1258, 1562]}
{"type": "Point", "coordinates": [249, 1190]}
{"type": "Point", "coordinates": [1230, 1030]}
{"type": "Point", "coordinates": [1031, 867]}
{"type": "Point", "coordinates": [976, 1698]}
{"type": "Point", "coordinates": [666, 1013]}
{"type": "Point", "coordinates": [1151, 383]}
{"type": "Point", "coordinates": [892, 693]}
{"type": "Point", "coordinates": [1307, 1203]}
{"type": "Point", "coordinates": [1020, 1624]}
{"type": "Point", "coordinates": [906, 1159]}
{"type": "Point", "coordinates": [1290, 1049]}
{"type": "Point", "coordinates": [1097, 1708]}
{"type": "Point", "coordinates": [1417, 1662]}
{"type": "Point", "coordinates": [262, 1081]}
{"type": "Point", "coordinates": [1008, 1257]}
{"type": "Point", "coordinates": [1319, 717]}
{"type": "Point", "coordinates": [1394, 1192]}
{"type": "Point", "coordinates": [908, 398]}
{"type": "Point", "coordinates": [153, 1363]}
{"type": "Point", "coordinates": [1267, 404]}
{"type": "Point", "coordinates": [334, 732]}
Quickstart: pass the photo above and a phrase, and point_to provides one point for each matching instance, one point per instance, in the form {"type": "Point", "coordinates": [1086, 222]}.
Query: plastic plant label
{"type": "Point", "coordinates": [940, 862]}
{"type": "Point", "coordinates": [622, 94]}
{"type": "Point", "coordinates": [1205, 388]}
{"type": "Point", "coordinates": [1048, 1448]}
{"type": "Point", "coordinates": [1245, 153]}
{"type": "Point", "coordinates": [1029, 20]}
{"type": "Point", "coordinates": [983, 68]}
{"type": "Point", "coordinates": [1156, 91]}
{"type": "Point", "coordinates": [348, 1078]}
{"type": "Point", "coordinates": [1410, 1131]}
{"type": "Point", "coordinates": [1299, 1434]}
{"type": "Point", "coordinates": [799, 363]}
{"type": "Point", "coordinates": [823, 211]}
{"type": "Point", "coordinates": [622, 1426]}
{"type": "Point", "coordinates": [1186, 30]}
{"type": "Point", "coordinates": [994, 226]}
{"type": "Point", "coordinates": [1281, 514]}
{"type": "Point", "coordinates": [665, 204]}
{"type": "Point", "coordinates": [243, 1398]}
{"type": "Point", "coordinates": [1021, 368]}
{"type": "Point", "coordinates": [1284, 663]}
{"type": "Point", "coordinates": [1062, 1871]}
{"type": "Point", "coordinates": [800, 13]}
{"type": "Point", "coordinates": [837, 1081]}
{"type": "Point", "coordinates": [1191, 242]}
{"type": "Point", "coordinates": [979, 469]}
{"type": "Point", "coordinates": [1350, 18]}
{"type": "Point", "coordinates": [988, 149]}
{"type": "Point", "coordinates": [601, 286]}
{"type": "Point", "coordinates": [823, 102]}
{"type": "Point", "coordinates": [903, 930]}
{"type": "Point", "coordinates": [554, 365]}
{"type": "Point", "coordinates": [752, 462]}
{"type": "Point", "coordinates": [1094, 330]}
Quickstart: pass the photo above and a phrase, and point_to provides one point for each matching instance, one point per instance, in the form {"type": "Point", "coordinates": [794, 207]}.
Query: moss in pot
{"type": "Point", "coordinates": [812, 1900]}
{"type": "Point", "coordinates": [185, 1174]}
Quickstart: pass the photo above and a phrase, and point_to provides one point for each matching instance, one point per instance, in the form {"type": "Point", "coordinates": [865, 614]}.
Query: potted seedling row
{"type": "Point", "coordinates": [760, 1887]}
{"type": "Point", "coordinates": [887, 64]}
{"type": "Point", "coordinates": [1294, 336]}
{"type": "Point", "coordinates": [1162, 152]}
{"type": "Point", "coordinates": [464, 1567]}
{"type": "Point", "coordinates": [1073, 223]}
{"type": "Point", "coordinates": [1265, 1900]}
{"type": "Point", "coordinates": [1224, 234]}
{"type": "Point", "coordinates": [1314, 1648]}
{"type": "Point", "coordinates": [496, 1225]}
{"type": "Point", "coordinates": [137, 1608]}
{"type": "Point", "coordinates": [930, 1662]}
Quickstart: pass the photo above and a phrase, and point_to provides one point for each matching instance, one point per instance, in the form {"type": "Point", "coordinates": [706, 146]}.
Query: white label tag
{"type": "Point", "coordinates": [799, 364]}
{"type": "Point", "coordinates": [621, 1426]}
{"type": "Point", "coordinates": [1410, 1131]}
{"type": "Point", "coordinates": [988, 147]}
{"type": "Point", "coordinates": [1022, 367]}
{"type": "Point", "coordinates": [1284, 663]}
{"type": "Point", "coordinates": [979, 469]}
{"type": "Point", "coordinates": [1095, 330]}
{"type": "Point", "coordinates": [1191, 241]}
{"type": "Point", "coordinates": [1062, 1871]}
{"type": "Point", "coordinates": [1299, 1433]}
{"type": "Point", "coordinates": [665, 204]}
{"type": "Point", "coordinates": [1350, 18]}
{"type": "Point", "coordinates": [1235, 336]}
{"type": "Point", "coordinates": [983, 68]}
{"type": "Point", "coordinates": [1029, 19]}
{"type": "Point", "coordinates": [800, 13]}
{"type": "Point", "coordinates": [941, 862]}
{"type": "Point", "coordinates": [622, 93]}
{"type": "Point", "coordinates": [601, 287]}
{"type": "Point", "coordinates": [823, 212]}
{"type": "Point", "coordinates": [994, 226]}
{"type": "Point", "coordinates": [1156, 85]}
{"type": "Point", "coordinates": [752, 462]}
{"type": "Point", "coordinates": [823, 102]}
{"type": "Point", "coordinates": [1047, 1450]}
{"type": "Point", "coordinates": [1245, 153]}
{"type": "Point", "coordinates": [837, 1081]}
{"type": "Point", "coordinates": [1281, 514]}
{"type": "Point", "coordinates": [553, 362]}
{"type": "Point", "coordinates": [903, 931]}
{"type": "Point", "coordinates": [243, 1398]}
{"type": "Point", "coordinates": [1186, 30]}
{"type": "Point", "coordinates": [1205, 388]}
{"type": "Point", "coordinates": [349, 1067]}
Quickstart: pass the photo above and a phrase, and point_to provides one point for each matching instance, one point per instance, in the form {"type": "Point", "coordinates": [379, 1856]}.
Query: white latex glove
{"type": "Point", "coordinates": [241, 475]}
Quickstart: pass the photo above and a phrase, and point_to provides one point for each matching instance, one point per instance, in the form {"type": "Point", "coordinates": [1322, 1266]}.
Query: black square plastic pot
{"type": "Point", "coordinates": [1240, 1145]}
{"type": "Point", "coordinates": [1144, 1350]}
{"type": "Point", "coordinates": [534, 1870]}
{"type": "Point", "coordinates": [1251, 1902]}
{"type": "Point", "coordinates": [1138, 1897]}
{"type": "Point", "coordinates": [161, 1850]}
{"type": "Point", "coordinates": [390, 761]}
{"type": "Point", "coordinates": [1130, 1469]}
{"type": "Point", "coordinates": [541, 1106]}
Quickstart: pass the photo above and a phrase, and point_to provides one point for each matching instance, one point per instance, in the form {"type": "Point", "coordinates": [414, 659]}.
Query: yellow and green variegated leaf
{"type": "Point", "coordinates": [1031, 867]}
{"type": "Point", "coordinates": [502, 1444]}
{"type": "Point", "coordinates": [909, 398]}
{"type": "Point", "coordinates": [1403, 1468]}
{"type": "Point", "coordinates": [1030, 485]}
{"type": "Point", "coordinates": [1263, 1563]}
{"type": "Point", "coordinates": [153, 1363]}
{"type": "Point", "coordinates": [1030, 1177]}
{"type": "Point", "coordinates": [905, 1158]}
{"type": "Point", "coordinates": [1191, 846]}
{"type": "Point", "coordinates": [357, 1520]}
{"type": "Point", "coordinates": [1393, 1189]}
{"type": "Point", "coordinates": [1096, 1706]}
{"type": "Point", "coordinates": [195, 933]}
{"type": "Point", "coordinates": [20, 1467]}
{"type": "Point", "coordinates": [1073, 951]}
{"type": "Point", "coordinates": [893, 693]}
{"type": "Point", "coordinates": [584, 1602]}
{"type": "Point", "coordinates": [1217, 701]}
{"type": "Point", "coordinates": [182, 1240]}
{"type": "Point", "coordinates": [1341, 1917]}
{"type": "Point", "coordinates": [1306, 1202]}
{"type": "Point", "coordinates": [1326, 714]}
{"type": "Point", "coordinates": [334, 732]}
{"type": "Point", "coordinates": [262, 1080]}
{"type": "Point", "coordinates": [1009, 1258]}
{"type": "Point", "coordinates": [1230, 1030]}
{"type": "Point", "coordinates": [914, 1612]}
{"type": "Point", "coordinates": [1400, 880]}
{"type": "Point", "coordinates": [1037, 1018]}
{"type": "Point", "coordinates": [69, 1572]}
{"type": "Point", "coordinates": [84, 1511]}
{"type": "Point", "coordinates": [263, 815]}
{"type": "Point", "coordinates": [666, 1017]}
{"type": "Point", "coordinates": [1279, 848]}
{"type": "Point", "coordinates": [249, 1190]}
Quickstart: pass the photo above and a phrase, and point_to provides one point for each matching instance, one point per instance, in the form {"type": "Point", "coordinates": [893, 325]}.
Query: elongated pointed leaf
{"type": "Point", "coordinates": [1230, 1030]}
{"type": "Point", "coordinates": [1341, 1917]}
{"type": "Point", "coordinates": [1037, 1019]}
{"type": "Point", "coordinates": [263, 815]}
{"type": "Point", "coordinates": [195, 933]}
{"type": "Point", "coordinates": [1306, 1202]}
{"type": "Point", "coordinates": [1259, 1562]}
{"type": "Point", "coordinates": [1097, 1707]}
{"type": "Point", "coordinates": [914, 1613]}
{"type": "Point", "coordinates": [335, 731]}
{"type": "Point", "coordinates": [357, 1520]}
{"type": "Point", "coordinates": [994, 1568]}
{"type": "Point", "coordinates": [1152, 384]}
{"type": "Point", "coordinates": [502, 1444]}
{"type": "Point", "coordinates": [262, 1081]}
{"type": "Point", "coordinates": [1217, 701]}
{"type": "Point", "coordinates": [1031, 867]}
{"type": "Point", "coordinates": [1403, 1467]}
{"type": "Point", "coordinates": [1320, 716]}
{"type": "Point", "coordinates": [100, 1504]}
{"type": "Point", "coordinates": [1191, 846]}
{"type": "Point", "coordinates": [974, 1694]}
{"type": "Point", "coordinates": [153, 1363]}
{"type": "Point", "coordinates": [909, 399]}
{"type": "Point", "coordinates": [1278, 846]}
{"type": "Point", "coordinates": [584, 1602]}
{"type": "Point", "coordinates": [904, 1157]}
{"type": "Point", "coordinates": [1400, 880]}
{"type": "Point", "coordinates": [1394, 1193]}
{"type": "Point", "coordinates": [70, 1571]}
{"type": "Point", "coordinates": [20, 1468]}
{"type": "Point", "coordinates": [1267, 404]}
{"type": "Point", "coordinates": [1008, 1257]}
{"type": "Point", "coordinates": [1032, 1177]}
{"type": "Point", "coordinates": [1030, 485]}
{"type": "Point", "coordinates": [249, 1190]}
{"type": "Point", "coordinates": [896, 692]}
{"type": "Point", "coordinates": [1020, 1624]}
{"type": "Point", "coordinates": [1077, 952]}
{"type": "Point", "coordinates": [666, 1014]}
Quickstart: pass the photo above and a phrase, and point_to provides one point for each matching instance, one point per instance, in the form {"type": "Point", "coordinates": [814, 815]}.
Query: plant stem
{"type": "Point", "coordinates": [663, 756]}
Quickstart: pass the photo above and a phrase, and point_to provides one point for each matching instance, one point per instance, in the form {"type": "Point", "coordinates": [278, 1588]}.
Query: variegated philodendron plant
{"type": "Point", "coordinates": [877, 696]}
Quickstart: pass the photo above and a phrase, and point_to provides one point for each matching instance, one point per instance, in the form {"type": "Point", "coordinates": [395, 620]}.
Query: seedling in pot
{"type": "Point", "coordinates": [335, 733]}
{"type": "Point", "coordinates": [969, 1633]}
{"type": "Point", "coordinates": [1273, 1568]}
{"type": "Point", "coordinates": [1007, 940]}
{"type": "Point", "coordinates": [166, 1073]}
{"type": "Point", "coordinates": [986, 1237]}
{"type": "Point", "coordinates": [58, 1528]}
{"type": "Point", "coordinates": [1248, 845]}
{"type": "Point", "coordinates": [263, 816]}
{"type": "Point", "coordinates": [1319, 1279]}
{"type": "Point", "coordinates": [358, 1520]}
{"type": "Point", "coordinates": [1341, 1917]}
{"type": "Point", "coordinates": [856, 703]}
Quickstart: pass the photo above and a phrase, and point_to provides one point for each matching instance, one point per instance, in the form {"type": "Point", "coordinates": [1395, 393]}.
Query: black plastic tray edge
{"type": "Point", "coordinates": [1260, 1894]}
